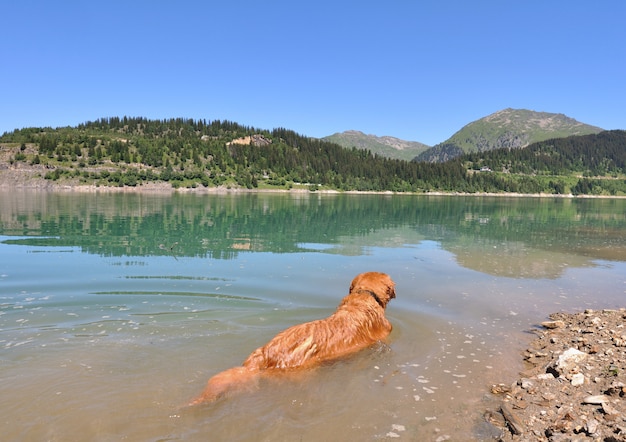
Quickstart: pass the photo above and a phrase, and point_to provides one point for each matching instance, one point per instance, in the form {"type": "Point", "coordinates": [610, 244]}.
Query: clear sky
{"type": "Point", "coordinates": [416, 70]}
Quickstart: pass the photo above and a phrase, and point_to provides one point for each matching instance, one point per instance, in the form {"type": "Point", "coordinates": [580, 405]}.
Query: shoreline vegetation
{"type": "Point", "coordinates": [200, 156]}
{"type": "Point", "coordinates": [28, 178]}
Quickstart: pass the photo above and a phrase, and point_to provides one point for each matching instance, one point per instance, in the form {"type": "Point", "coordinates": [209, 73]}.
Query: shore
{"type": "Point", "coordinates": [574, 387]}
{"type": "Point", "coordinates": [31, 178]}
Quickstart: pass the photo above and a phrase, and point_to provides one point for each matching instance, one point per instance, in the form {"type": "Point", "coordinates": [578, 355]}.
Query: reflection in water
{"type": "Point", "coordinates": [116, 308]}
{"type": "Point", "coordinates": [515, 237]}
{"type": "Point", "coordinates": [514, 259]}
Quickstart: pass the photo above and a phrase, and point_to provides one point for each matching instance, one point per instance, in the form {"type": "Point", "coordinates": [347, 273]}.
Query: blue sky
{"type": "Point", "coordinates": [417, 70]}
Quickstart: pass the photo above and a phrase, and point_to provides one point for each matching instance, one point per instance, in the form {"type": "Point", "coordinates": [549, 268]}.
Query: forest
{"type": "Point", "coordinates": [129, 151]}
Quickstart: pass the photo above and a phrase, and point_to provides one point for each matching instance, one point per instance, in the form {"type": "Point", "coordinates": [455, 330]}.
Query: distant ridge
{"type": "Point", "coordinates": [385, 146]}
{"type": "Point", "coordinates": [508, 128]}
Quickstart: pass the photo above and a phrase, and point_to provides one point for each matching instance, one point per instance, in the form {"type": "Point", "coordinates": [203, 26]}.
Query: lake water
{"type": "Point", "coordinates": [116, 308]}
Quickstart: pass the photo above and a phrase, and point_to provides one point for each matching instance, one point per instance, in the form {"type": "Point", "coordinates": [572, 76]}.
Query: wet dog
{"type": "Point", "coordinates": [358, 322]}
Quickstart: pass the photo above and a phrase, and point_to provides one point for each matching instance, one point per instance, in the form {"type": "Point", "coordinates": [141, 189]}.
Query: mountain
{"type": "Point", "coordinates": [386, 146]}
{"type": "Point", "coordinates": [512, 128]}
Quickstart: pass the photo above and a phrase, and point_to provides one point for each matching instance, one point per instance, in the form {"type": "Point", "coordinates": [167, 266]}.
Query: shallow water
{"type": "Point", "coordinates": [115, 309]}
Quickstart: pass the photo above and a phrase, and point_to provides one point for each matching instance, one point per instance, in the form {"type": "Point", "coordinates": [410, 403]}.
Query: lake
{"type": "Point", "coordinates": [116, 308]}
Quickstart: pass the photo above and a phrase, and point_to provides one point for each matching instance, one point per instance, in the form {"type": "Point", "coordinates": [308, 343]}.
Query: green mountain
{"type": "Point", "coordinates": [508, 128]}
{"type": "Point", "coordinates": [386, 146]}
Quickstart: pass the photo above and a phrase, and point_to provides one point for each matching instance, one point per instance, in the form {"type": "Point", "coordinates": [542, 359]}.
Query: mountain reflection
{"type": "Point", "coordinates": [513, 237]}
{"type": "Point", "coordinates": [515, 259]}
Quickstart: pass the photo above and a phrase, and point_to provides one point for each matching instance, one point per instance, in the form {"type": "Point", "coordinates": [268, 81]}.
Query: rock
{"type": "Point", "coordinates": [487, 431]}
{"type": "Point", "coordinates": [608, 409]}
{"type": "Point", "coordinates": [545, 376]}
{"type": "Point", "coordinates": [569, 360]}
{"type": "Point", "coordinates": [591, 427]}
{"type": "Point", "coordinates": [596, 321]}
{"type": "Point", "coordinates": [553, 324]}
{"type": "Point", "coordinates": [516, 424]}
{"type": "Point", "coordinates": [616, 388]}
{"type": "Point", "coordinates": [500, 389]}
{"type": "Point", "coordinates": [596, 400]}
{"type": "Point", "coordinates": [527, 384]}
{"type": "Point", "coordinates": [578, 379]}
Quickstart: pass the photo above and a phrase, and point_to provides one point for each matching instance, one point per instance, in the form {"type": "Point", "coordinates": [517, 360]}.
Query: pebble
{"type": "Point", "coordinates": [592, 426]}
{"type": "Point", "coordinates": [544, 376]}
{"type": "Point", "coordinates": [596, 400]}
{"type": "Point", "coordinates": [578, 379]}
{"type": "Point", "coordinates": [553, 324]}
{"type": "Point", "coordinates": [527, 384]}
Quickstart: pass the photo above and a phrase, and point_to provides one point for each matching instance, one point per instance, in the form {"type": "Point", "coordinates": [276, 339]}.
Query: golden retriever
{"type": "Point", "coordinates": [358, 322]}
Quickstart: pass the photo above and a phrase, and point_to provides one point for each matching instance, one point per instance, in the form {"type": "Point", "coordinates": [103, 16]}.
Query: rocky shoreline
{"type": "Point", "coordinates": [574, 388]}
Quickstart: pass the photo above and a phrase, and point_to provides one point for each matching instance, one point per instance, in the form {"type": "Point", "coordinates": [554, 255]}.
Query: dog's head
{"type": "Point", "coordinates": [377, 283]}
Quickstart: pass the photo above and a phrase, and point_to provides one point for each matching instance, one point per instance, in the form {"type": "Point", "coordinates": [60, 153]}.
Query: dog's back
{"type": "Point", "coordinates": [358, 322]}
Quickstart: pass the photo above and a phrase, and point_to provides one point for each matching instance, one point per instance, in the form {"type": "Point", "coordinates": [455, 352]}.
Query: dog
{"type": "Point", "coordinates": [358, 322]}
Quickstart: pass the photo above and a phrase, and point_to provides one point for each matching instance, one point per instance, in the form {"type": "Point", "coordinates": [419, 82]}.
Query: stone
{"type": "Point", "coordinates": [553, 324]}
{"type": "Point", "coordinates": [569, 360]}
{"type": "Point", "coordinates": [578, 379]}
{"type": "Point", "coordinates": [527, 384]}
{"type": "Point", "coordinates": [591, 427]}
{"type": "Point", "coordinates": [545, 376]}
{"type": "Point", "coordinates": [514, 422]}
{"type": "Point", "coordinates": [596, 400]}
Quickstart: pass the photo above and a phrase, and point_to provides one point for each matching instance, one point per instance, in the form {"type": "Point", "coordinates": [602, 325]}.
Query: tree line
{"type": "Point", "coordinates": [602, 154]}
{"type": "Point", "coordinates": [127, 151]}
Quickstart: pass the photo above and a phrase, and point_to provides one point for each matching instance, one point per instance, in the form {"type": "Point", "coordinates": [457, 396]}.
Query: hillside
{"type": "Point", "coordinates": [134, 152]}
{"type": "Point", "coordinates": [594, 155]}
{"type": "Point", "coordinates": [508, 128]}
{"type": "Point", "coordinates": [385, 146]}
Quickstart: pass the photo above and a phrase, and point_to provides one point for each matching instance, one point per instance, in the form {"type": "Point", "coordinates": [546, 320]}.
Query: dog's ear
{"type": "Point", "coordinates": [391, 289]}
{"type": "Point", "coordinates": [355, 281]}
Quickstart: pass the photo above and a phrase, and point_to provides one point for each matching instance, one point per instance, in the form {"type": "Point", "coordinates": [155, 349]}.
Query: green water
{"type": "Point", "coordinates": [116, 308]}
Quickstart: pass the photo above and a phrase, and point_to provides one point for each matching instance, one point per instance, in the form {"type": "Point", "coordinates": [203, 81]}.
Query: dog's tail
{"type": "Point", "coordinates": [233, 379]}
